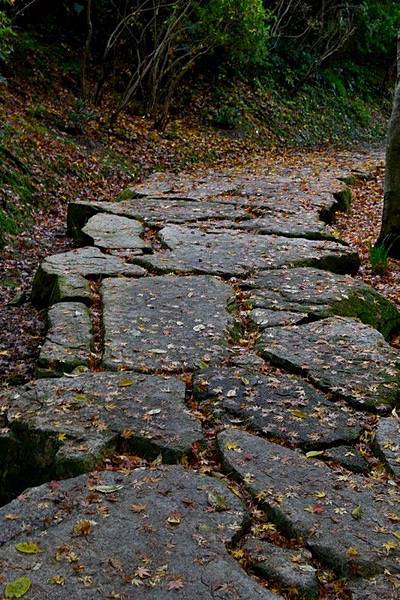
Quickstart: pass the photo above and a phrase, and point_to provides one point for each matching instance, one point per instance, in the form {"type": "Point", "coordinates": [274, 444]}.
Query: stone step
{"type": "Point", "coordinates": [236, 254]}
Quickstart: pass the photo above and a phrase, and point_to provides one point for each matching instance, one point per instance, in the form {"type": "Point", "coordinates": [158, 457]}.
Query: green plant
{"type": "Point", "coordinates": [379, 258]}
{"type": "Point", "coordinates": [7, 34]}
{"type": "Point", "coordinates": [227, 117]}
{"type": "Point", "coordinates": [81, 113]}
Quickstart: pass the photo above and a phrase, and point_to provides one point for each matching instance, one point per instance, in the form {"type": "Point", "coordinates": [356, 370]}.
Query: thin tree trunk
{"type": "Point", "coordinates": [86, 51]}
{"type": "Point", "coordinates": [390, 229]}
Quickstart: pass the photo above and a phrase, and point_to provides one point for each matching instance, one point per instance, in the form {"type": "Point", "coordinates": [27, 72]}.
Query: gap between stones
{"type": "Point", "coordinates": [210, 461]}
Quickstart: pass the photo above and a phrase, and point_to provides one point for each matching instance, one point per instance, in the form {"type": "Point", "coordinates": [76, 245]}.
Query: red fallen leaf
{"type": "Point", "coordinates": [318, 509]}
{"type": "Point", "coordinates": [176, 584]}
{"type": "Point", "coordinates": [248, 456]}
{"type": "Point", "coordinates": [54, 485]}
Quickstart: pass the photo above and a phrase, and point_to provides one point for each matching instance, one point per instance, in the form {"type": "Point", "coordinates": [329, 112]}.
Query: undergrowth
{"type": "Point", "coordinates": [54, 146]}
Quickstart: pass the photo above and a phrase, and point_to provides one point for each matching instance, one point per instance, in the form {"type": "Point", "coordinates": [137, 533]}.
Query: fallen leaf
{"type": "Point", "coordinates": [137, 508]}
{"type": "Point", "coordinates": [174, 518]}
{"type": "Point", "coordinates": [314, 453]}
{"type": "Point", "coordinates": [357, 512]}
{"type": "Point", "coordinates": [17, 588]}
{"type": "Point", "coordinates": [107, 489]}
{"type": "Point", "coordinates": [27, 548]}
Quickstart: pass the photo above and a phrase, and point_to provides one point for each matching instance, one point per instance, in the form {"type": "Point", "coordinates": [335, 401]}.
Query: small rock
{"type": "Point", "coordinates": [387, 443]}
{"type": "Point", "coordinates": [290, 568]}
{"type": "Point", "coordinates": [68, 340]}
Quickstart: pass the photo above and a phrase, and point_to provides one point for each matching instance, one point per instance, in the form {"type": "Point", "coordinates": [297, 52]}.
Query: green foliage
{"type": "Point", "coordinates": [336, 82]}
{"type": "Point", "coordinates": [238, 26]}
{"type": "Point", "coordinates": [377, 24]}
{"type": "Point", "coordinates": [227, 117]}
{"type": "Point", "coordinates": [7, 34]}
{"type": "Point", "coordinates": [379, 258]}
{"type": "Point", "coordinates": [81, 113]}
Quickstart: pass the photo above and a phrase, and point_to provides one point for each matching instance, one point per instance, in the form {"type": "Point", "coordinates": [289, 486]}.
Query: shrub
{"type": "Point", "coordinates": [379, 258]}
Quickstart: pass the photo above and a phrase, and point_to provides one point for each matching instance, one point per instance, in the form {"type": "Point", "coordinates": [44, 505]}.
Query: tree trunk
{"type": "Point", "coordinates": [390, 230]}
{"type": "Point", "coordinates": [86, 51]}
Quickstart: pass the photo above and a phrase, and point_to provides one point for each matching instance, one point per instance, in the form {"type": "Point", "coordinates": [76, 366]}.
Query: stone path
{"type": "Point", "coordinates": [215, 414]}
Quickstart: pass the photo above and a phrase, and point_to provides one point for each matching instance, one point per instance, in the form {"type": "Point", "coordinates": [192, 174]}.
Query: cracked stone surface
{"type": "Point", "coordinates": [237, 254]}
{"type": "Point", "coordinates": [82, 262]}
{"type": "Point", "coordinates": [154, 212]}
{"type": "Point", "coordinates": [281, 407]}
{"type": "Point", "coordinates": [377, 588]}
{"type": "Point", "coordinates": [387, 443]}
{"type": "Point", "coordinates": [341, 355]}
{"type": "Point", "coordinates": [68, 340]}
{"type": "Point", "coordinates": [289, 567]}
{"type": "Point", "coordinates": [348, 457]}
{"type": "Point", "coordinates": [306, 293]}
{"type": "Point", "coordinates": [344, 521]}
{"type": "Point", "coordinates": [113, 231]}
{"type": "Point", "coordinates": [302, 224]}
{"type": "Point", "coordinates": [152, 527]}
{"type": "Point", "coordinates": [88, 417]}
{"type": "Point", "coordinates": [150, 531]}
{"type": "Point", "coordinates": [290, 191]}
{"type": "Point", "coordinates": [168, 322]}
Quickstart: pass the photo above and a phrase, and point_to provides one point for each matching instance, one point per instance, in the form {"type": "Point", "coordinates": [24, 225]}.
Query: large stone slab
{"type": "Point", "coordinates": [278, 406]}
{"type": "Point", "coordinates": [83, 262]}
{"type": "Point", "coordinates": [346, 521]}
{"type": "Point", "coordinates": [165, 323]}
{"type": "Point", "coordinates": [291, 191]}
{"type": "Point", "coordinates": [68, 340]}
{"type": "Point", "coordinates": [301, 224]}
{"type": "Point", "coordinates": [154, 212]}
{"type": "Point", "coordinates": [88, 417]}
{"type": "Point", "coordinates": [341, 355]}
{"type": "Point", "coordinates": [387, 443]}
{"type": "Point", "coordinates": [232, 253]}
{"type": "Point", "coordinates": [312, 293]}
{"type": "Point", "coordinates": [151, 534]}
{"type": "Point", "coordinates": [113, 231]}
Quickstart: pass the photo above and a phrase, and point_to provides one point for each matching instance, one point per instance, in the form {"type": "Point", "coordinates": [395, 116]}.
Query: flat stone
{"type": "Point", "coordinates": [302, 224]}
{"type": "Point", "coordinates": [150, 534]}
{"type": "Point", "coordinates": [345, 521]}
{"type": "Point", "coordinates": [312, 293]}
{"type": "Point", "coordinates": [348, 457]}
{"type": "Point", "coordinates": [154, 212]}
{"type": "Point", "coordinates": [387, 443]}
{"type": "Point", "coordinates": [340, 355]}
{"type": "Point", "coordinates": [113, 231]}
{"type": "Point", "coordinates": [88, 417]}
{"type": "Point", "coordinates": [263, 318]}
{"type": "Point", "coordinates": [70, 288]}
{"type": "Point", "coordinates": [290, 568]}
{"type": "Point", "coordinates": [232, 253]}
{"type": "Point", "coordinates": [86, 262]}
{"type": "Point", "coordinates": [383, 587]}
{"type": "Point", "coordinates": [68, 340]}
{"type": "Point", "coordinates": [292, 192]}
{"type": "Point", "coordinates": [169, 323]}
{"type": "Point", "coordinates": [277, 406]}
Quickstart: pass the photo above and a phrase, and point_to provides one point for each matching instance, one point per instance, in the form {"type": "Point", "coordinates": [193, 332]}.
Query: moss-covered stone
{"type": "Point", "coordinates": [309, 294]}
